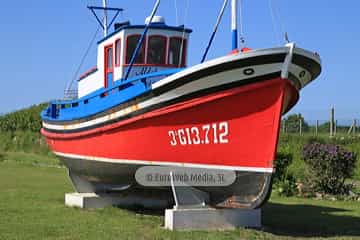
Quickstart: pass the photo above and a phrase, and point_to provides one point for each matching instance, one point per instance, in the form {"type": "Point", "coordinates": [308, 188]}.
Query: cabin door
{"type": "Point", "coordinates": [109, 67]}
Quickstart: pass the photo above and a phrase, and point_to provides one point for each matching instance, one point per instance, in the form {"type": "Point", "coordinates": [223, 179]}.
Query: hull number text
{"type": "Point", "coordinates": [215, 133]}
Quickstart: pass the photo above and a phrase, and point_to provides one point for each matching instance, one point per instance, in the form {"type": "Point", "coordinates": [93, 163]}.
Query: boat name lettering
{"type": "Point", "coordinates": [146, 70]}
{"type": "Point", "coordinates": [215, 133]}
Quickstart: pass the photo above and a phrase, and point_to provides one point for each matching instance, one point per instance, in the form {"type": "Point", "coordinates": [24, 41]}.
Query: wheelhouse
{"type": "Point", "coordinates": [164, 47]}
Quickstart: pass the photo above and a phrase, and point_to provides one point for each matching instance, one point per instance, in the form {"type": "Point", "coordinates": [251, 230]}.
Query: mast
{"type": "Point", "coordinates": [104, 22]}
{"type": "Point", "coordinates": [234, 26]}
{"type": "Point", "coordinates": [105, 17]}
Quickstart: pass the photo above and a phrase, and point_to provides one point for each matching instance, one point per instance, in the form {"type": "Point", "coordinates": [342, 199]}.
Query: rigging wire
{"type": "Point", "coordinates": [242, 37]}
{"type": "Point", "coordinates": [281, 23]}
{"type": "Point", "coordinates": [218, 20]}
{"type": "Point", "coordinates": [176, 13]}
{"type": "Point", "coordinates": [82, 60]}
{"type": "Point", "coordinates": [273, 21]}
{"type": "Point", "coordinates": [276, 20]}
{"type": "Point", "coordinates": [183, 33]}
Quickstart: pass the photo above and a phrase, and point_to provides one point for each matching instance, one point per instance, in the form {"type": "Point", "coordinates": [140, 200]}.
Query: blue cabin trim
{"type": "Point", "coordinates": [103, 99]}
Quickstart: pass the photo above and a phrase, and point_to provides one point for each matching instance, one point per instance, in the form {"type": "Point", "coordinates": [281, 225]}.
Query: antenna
{"type": "Point", "coordinates": [105, 18]}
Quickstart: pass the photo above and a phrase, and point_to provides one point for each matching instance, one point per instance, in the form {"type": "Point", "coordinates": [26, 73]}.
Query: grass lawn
{"type": "Point", "coordinates": [32, 207]}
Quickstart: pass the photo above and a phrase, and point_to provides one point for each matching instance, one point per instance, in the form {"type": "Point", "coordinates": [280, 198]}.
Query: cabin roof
{"type": "Point", "coordinates": [152, 26]}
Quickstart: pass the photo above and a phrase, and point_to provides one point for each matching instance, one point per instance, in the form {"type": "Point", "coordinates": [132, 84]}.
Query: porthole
{"type": "Point", "coordinates": [249, 71]}
{"type": "Point", "coordinates": [302, 74]}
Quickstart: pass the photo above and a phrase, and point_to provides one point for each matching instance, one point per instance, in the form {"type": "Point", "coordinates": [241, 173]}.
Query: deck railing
{"type": "Point", "coordinates": [70, 94]}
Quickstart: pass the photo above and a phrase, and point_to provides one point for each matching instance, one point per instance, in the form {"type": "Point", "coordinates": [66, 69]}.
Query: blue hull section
{"type": "Point", "coordinates": [103, 99]}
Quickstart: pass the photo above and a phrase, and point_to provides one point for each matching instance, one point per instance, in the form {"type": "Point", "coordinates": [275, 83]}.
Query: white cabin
{"type": "Point", "coordinates": [164, 47]}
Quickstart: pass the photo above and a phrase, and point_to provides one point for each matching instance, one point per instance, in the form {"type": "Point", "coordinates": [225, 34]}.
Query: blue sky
{"type": "Point", "coordinates": [42, 43]}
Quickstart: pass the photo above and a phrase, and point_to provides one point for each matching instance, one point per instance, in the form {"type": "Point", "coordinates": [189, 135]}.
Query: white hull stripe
{"type": "Point", "coordinates": [217, 61]}
{"type": "Point", "coordinates": [145, 162]}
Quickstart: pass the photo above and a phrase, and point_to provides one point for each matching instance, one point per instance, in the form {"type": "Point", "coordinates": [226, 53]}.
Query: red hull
{"type": "Point", "coordinates": [235, 129]}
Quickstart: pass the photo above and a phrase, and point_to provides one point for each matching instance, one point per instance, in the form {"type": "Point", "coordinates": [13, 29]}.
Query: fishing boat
{"type": "Point", "coordinates": [143, 106]}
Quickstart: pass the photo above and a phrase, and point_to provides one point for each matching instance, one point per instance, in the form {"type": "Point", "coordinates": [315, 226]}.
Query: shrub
{"type": "Point", "coordinates": [287, 187]}
{"type": "Point", "coordinates": [285, 182]}
{"type": "Point", "coordinates": [314, 139]}
{"type": "Point", "coordinates": [23, 141]}
{"type": "Point", "coordinates": [331, 165]}
{"type": "Point", "coordinates": [23, 120]}
{"type": "Point", "coordinates": [282, 162]}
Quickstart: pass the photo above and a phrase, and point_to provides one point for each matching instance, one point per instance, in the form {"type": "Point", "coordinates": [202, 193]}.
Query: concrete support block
{"type": "Point", "coordinates": [93, 200]}
{"type": "Point", "coordinates": [211, 219]}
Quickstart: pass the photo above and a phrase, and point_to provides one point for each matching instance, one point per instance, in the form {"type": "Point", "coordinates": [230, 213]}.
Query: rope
{"type": "Point", "coordinates": [82, 60]}
{"type": "Point", "coordinates": [183, 33]}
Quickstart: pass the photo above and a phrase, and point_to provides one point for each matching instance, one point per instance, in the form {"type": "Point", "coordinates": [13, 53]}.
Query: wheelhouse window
{"type": "Point", "coordinates": [177, 50]}
{"type": "Point", "coordinates": [117, 52]}
{"type": "Point", "coordinates": [156, 49]}
{"type": "Point", "coordinates": [131, 44]}
{"type": "Point", "coordinates": [109, 58]}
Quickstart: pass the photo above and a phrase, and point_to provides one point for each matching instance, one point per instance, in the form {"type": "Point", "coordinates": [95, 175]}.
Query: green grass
{"type": "Point", "coordinates": [32, 207]}
{"type": "Point", "coordinates": [30, 158]}
{"type": "Point", "coordinates": [32, 188]}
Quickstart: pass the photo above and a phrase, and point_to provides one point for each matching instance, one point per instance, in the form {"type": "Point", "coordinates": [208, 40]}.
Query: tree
{"type": "Point", "coordinates": [292, 123]}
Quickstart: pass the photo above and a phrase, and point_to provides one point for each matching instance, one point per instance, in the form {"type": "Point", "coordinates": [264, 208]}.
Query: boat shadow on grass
{"type": "Point", "coordinates": [139, 209]}
{"type": "Point", "coordinates": [309, 220]}
{"type": "Point", "coordinates": [295, 220]}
